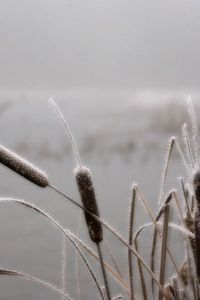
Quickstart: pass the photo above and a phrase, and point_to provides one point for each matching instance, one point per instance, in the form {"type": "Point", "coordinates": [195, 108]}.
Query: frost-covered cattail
{"type": "Point", "coordinates": [23, 167]}
{"type": "Point", "coordinates": [88, 198]}
{"type": "Point", "coordinates": [84, 183]}
{"type": "Point", "coordinates": [197, 242]}
{"type": "Point", "coordinates": [196, 185]}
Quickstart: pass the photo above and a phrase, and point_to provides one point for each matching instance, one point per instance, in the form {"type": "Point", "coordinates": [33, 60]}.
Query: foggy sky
{"type": "Point", "coordinates": [105, 43]}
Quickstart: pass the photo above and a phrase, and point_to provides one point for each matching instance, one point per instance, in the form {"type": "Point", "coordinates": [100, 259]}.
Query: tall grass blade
{"type": "Point", "coordinates": [65, 232]}
{"type": "Point", "coordinates": [130, 240]}
{"type": "Point", "coordinates": [170, 147]}
{"type": "Point", "coordinates": [164, 249]}
{"type": "Point", "coordinates": [13, 273]}
{"type": "Point", "coordinates": [195, 133]}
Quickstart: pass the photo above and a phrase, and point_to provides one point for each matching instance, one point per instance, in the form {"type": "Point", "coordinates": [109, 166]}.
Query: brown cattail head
{"type": "Point", "coordinates": [22, 167]}
{"type": "Point", "coordinates": [196, 185]}
{"type": "Point", "coordinates": [197, 242]}
{"type": "Point", "coordinates": [86, 190]}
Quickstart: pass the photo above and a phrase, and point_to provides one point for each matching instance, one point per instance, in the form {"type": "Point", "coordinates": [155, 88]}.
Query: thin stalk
{"type": "Point", "coordinates": [153, 251]}
{"type": "Point", "coordinates": [64, 264]}
{"type": "Point", "coordinates": [164, 249]}
{"type": "Point", "coordinates": [155, 234]}
{"type": "Point", "coordinates": [14, 273]}
{"type": "Point", "coordinates": [115, 275]}
{"type": "Point", "coordinates": [170, 147]}
{"type": "Point", "coordinates": [195, 134]}
{"type": "Point", "coordinates": [141, 274]}
{"type": "Point", "coordinates": [182, 156]}
{"type": "Point", "coordinates": [130, 240]}
{"type": "Point", "coordinates": [175, 196]}
{"type": "Point", "coordinates": [68, 132]}
{"type": "Point", "coordinates": [77, 263]}
{"type": "Point", "coordinates": [176, 289]}
{"type": "Point", "coordinates": [190, 271]}
{"type": "Point", "coordinates": [103, 271]}
{"type": "Point", "coordinates": [148, 209]}
{"type": "Point", "coordinates": [185, 196]}
{"type": "Point", "coordinates": [188, 148]}
{"type": "Point", "coordinates": [112, 258]}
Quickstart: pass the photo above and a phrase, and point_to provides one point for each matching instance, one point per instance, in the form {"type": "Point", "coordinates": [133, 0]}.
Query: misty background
{"type": "Point", "coordinates": [100, 44]}
{"type": "Point", "coordinates": [121, 72]}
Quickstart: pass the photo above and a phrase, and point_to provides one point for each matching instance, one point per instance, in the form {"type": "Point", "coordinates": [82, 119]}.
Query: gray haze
{"type": "Point", "coordinates": [106, 44]}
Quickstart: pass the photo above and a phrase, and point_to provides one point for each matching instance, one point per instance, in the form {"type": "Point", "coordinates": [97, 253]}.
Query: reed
{"type": "Point", "coordinates": [185, 204]}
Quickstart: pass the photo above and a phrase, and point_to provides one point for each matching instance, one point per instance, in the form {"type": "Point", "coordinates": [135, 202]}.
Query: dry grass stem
{"type": "Point", "coordinates": [164, 249]}
{"type": "Point", "coordinates": [13, 273]}
{"type": "Point", "coordinates": [170, 147]}
{"type": "Point", "coordinates": [130, 239]}
{"type": "Point", "coordinates": [65, 232]}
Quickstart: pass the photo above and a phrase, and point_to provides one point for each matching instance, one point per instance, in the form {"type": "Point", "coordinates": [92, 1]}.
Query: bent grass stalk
{"type": "Point", "coordinates": [14, 273]}
{"type": "Point", "coordinates": [149, 211]}
{"type": "Point", "coordinates": [115, 275]}
{"type": "Point", "coordinates": [66, 233]}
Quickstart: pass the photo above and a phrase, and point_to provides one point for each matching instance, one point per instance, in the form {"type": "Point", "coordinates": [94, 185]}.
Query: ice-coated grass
{"type": "Point", "coordinates": [153, 282]}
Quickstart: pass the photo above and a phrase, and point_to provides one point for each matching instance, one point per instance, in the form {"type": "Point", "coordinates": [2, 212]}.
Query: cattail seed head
{"type": "Point", "coordinates": [197, 242]}
{"type": "Point", "coordinates": [22, 167]}
{"type": "Point", "coordinates": [88, 198]}
{"type": "Point", "coordinates": [196, 185]}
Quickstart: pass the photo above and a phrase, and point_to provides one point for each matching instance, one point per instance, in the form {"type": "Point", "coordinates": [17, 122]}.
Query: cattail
{"type": "Point", "coordinates": [197, 242]}
{"type": "Point", "coordinates": [196, 185]}
{"type": "Point", "coordinates": [86, 190]}
{"type": "Point", "coordinates": [87, 194]}
{"type": "Point", "coordinates": [23, 167]}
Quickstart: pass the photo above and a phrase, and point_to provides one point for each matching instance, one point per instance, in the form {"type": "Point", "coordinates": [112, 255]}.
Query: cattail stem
{"type": "Point", "coordinates": [164, 249]}
{"type": "Point", "coordinates": [130, 239]}
{"type": "Point", "coordinates": [103, 271]}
